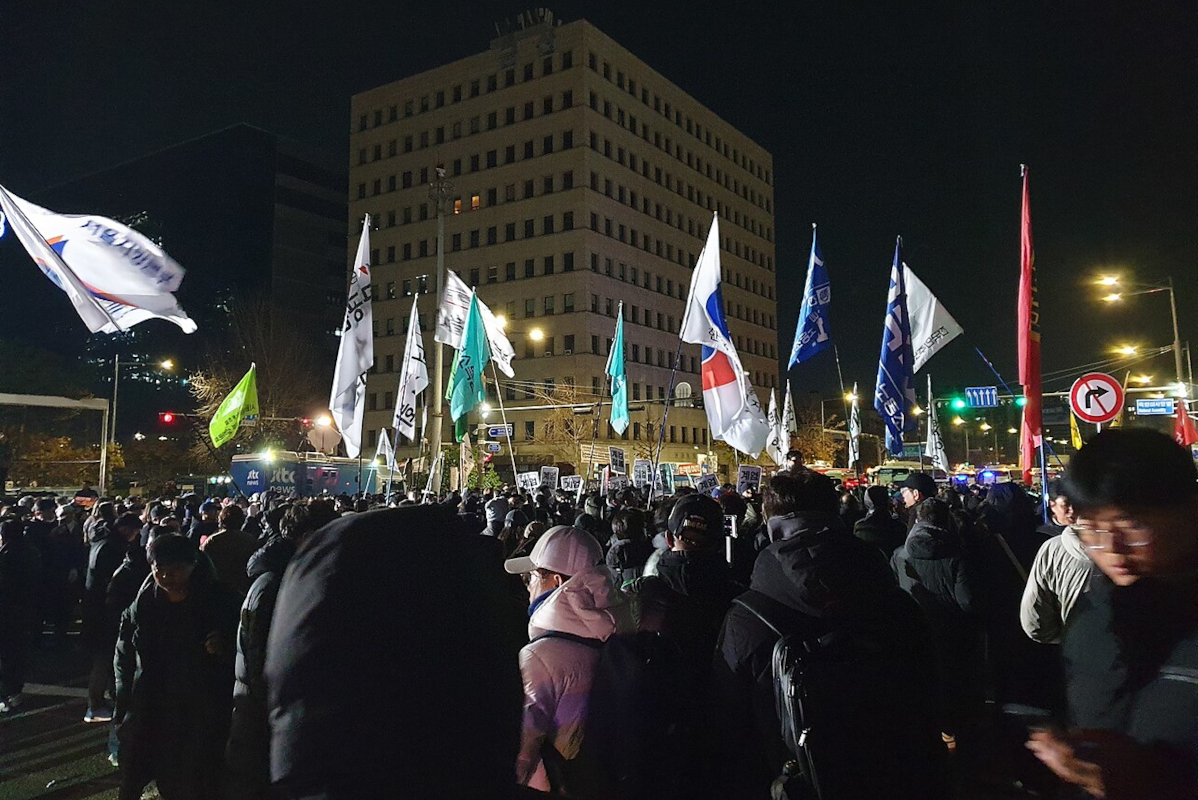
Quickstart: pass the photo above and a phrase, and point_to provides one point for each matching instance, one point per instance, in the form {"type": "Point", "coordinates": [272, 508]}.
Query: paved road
{"type": "Point", "coordinates": [46, 751]}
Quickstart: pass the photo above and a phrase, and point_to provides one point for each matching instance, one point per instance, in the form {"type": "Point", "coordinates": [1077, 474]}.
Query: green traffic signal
{"type": "Point", "coordinates": [1021, 401]}
{"type": "Point", "coordinates": [958, 403]}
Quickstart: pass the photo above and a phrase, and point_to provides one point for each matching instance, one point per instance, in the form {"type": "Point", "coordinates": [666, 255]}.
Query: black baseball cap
{"type": "Point", "coordinates": [921, 482]}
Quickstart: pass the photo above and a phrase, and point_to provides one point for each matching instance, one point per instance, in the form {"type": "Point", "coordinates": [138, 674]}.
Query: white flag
{"type": "Point", "coordinates": [451, 323]}
{"type": "Point", "coordinates": [934, 449]}
{"type": "Point", "coordinates": [854, 431]}
{"type": "Point", "coordinates": [413, 378]}
{"type": "Point", "coordinates": [114, 276]}
{"type": "Point", "coordinates": [433, 486]}
{"type": "Point", "coordinates": [466, 459]}
{"type": "Point", "coordinates": [355, 354]}
{"type": "Point", "coordinates": [734, 413]}
{"type": "Point", "coordinates": [932, 327]}
{"type": "Point", "coordinates": [384, 451]}
{"type": "Point", "coordinates": [773, 445]}
{"type": "Point", "coordinates": [788, 416]}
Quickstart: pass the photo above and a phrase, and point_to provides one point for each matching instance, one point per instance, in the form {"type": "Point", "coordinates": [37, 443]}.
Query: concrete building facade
{"type": "Point", "coordinates": [581, 179]}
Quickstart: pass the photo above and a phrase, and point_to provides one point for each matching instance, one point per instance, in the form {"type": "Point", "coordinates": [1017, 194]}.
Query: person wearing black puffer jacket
{"type": "Point", "coordinates": [820, 580]}
{"type": "Point", "coordinates": [247, 756]}
{"type": "Point", "coordinates": [932, 568]}
{"type": "Point", "coordinates": [880, 527]}
{"type": "Point", "coordinates": [629, 547]}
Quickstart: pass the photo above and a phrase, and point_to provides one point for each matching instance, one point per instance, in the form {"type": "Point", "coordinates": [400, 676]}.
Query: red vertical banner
{"type": "Point", "coordinates": [1029, 341]}
{"type": "Point", "coordinates": [1183, 427]}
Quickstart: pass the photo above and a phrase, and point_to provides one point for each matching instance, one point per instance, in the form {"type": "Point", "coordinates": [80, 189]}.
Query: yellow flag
{"type": "Point", "coordinates": [1117, 422]}
{"type": "Point", "coordinates": [239, 408]}
{"type": "Point", "coordinates": [1075, 436]}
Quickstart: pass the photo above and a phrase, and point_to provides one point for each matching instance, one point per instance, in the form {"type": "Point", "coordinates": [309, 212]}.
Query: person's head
{"type": "Point", "coordinates": [734, 504]}
{"type": "Point", "coordinates": [232, 518]}
{"type": "Point", "coordinates": [1058, 504]}
{"type": "Point", "coordinates": [106, 511]}
{"type": "Point", "coordinates": [627, 523]}
{"type": "Point", "coordinates": [794, 459]}
{"type": "Point", "coordinates": [696, 523]}
{"type": "Point", "coordinates": [301, 519]}
{"type": "Point", "coordinates": [127, 527]}
{"type": "Point", "coordinates": [44, 509]}
{"type": "Point", "coordinates": [1135, 494]}
{"type": "Point", "coordinates": [917, 487]}
{"type": "Point", "coordinates": [209, 510]}
{"type": "Point", "coordinates": [172, 560]}
{"type": "Point", "coordinates": [877, 498]}
{"type": "Point", "coordinates": [559, 554]}
{"type": "Point", "coordinates": [933, 512]}
{"type": "Point", "coordinates": [803, 493]}
{"type": "Point", "coordinates": [12, 530]}
{"type": "Point", "coordinates": [66, 514]}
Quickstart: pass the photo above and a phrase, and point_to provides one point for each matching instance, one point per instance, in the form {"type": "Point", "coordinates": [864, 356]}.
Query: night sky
{"type": "Point", "coordinates": [883, 119]}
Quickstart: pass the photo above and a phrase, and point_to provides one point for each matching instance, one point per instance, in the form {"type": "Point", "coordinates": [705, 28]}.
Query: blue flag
{"type": "Point", "coordinates": [812, 334]}
{"type": "Point", "coordinates": [619, 382]}
{"type": "Point", "coordinates": [894, 396]}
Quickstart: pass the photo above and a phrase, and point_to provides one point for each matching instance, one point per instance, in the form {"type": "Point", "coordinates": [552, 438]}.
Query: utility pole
{"type": "Point", "coordinates": [438, 192]}
{"type": "Point", "coordinates": [1181, 384]}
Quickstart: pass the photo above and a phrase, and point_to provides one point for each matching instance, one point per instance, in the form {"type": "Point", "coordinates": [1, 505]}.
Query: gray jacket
{"type": "Point", "coordinates": [1058, 577]}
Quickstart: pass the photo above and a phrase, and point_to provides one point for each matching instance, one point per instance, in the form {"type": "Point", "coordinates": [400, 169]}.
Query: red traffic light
{"type": "Point", "coordinates": [306, 422]}
{"type": "Point", "coordinates": [167, 417]}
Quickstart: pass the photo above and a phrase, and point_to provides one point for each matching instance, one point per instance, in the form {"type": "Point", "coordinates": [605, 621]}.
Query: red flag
{"type": "Point", "coordinates": [1029, 341]}
{"type": "Point", "coordinates": [1183, 427]}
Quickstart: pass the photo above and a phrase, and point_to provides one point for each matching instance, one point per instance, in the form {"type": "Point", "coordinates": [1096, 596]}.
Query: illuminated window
{"type": "Point", "coordinates": [474, 202]}
{"type": "Point", "coordinates": [457, 205]}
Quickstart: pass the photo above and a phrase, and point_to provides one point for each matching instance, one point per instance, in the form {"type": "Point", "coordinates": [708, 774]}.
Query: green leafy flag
{"type": "Point", "coordinates": [239, 408]}
{"type": "Point", "coordinates": [467, 387]}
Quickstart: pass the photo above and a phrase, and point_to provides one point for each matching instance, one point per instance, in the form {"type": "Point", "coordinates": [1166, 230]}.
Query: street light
{"type": "Point", "coordinates": [537, 335]}
{"type": "Point", "coordinates": [1108, 280]}
{"type": "Point", "coordinates": [1154, 288]}
{"type": "Point", "coordinates": [1126, 350]}
{"type": "Point", "coordinates": [166, 364]}
{"type": "Point", "coordinates": [501, 321]}
{"type": "Point", "coordinates": [1143, 380]}
{"type": "Point", "coordinates": [324, 421]}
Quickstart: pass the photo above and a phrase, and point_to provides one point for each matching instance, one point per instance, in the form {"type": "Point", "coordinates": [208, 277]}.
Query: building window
{"type": "Point", "coordinates": [567, 140]}
{"type": "Point", "coordinates": [548, 304]}
{"type": "Point", "coordinates": [509, 274]}
{"type": "Point", "coordinates": [547, 145]}
{"type": "Point", "coordinates": [474, 202]}
{"type": "Point", "coordinates": [567, 260]}
{"type": "Point", "coordinates": [547, 224]}
{"type": "Point", "coordinates": [568, 221]}
{"type": "Point", "coordinates": [529, 265]}
{"type": "Point", "coordinates": [548, 265]}
{"type": "Point", "coordinates": [530, 307]}
{"type": "Point", "coordinates": [568, 308]}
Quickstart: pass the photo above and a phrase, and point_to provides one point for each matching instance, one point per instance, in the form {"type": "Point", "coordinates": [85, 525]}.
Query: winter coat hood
{"type": "Point", "coordinates": [823, 572]}
{"type": "Point", "coordinates": [583, 606]}
{"type": "Point", "coordinates": [931, 543]}
{"type": "Point", "coordinates": [695, 573]}
{"type": "Point", "coordinates": [790, 525]}
{"type": "Point", "coordinates": [270, 557]}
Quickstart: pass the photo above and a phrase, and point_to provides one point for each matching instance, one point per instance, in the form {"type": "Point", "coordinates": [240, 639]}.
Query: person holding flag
{"type": "Point", "coordinates": [467, 387]}
{"type": "Point", "coordinates": [734, 413]}
{"type": "Point", "coordinates": [355, 354]}
{"type": "Point", "coordinates": [240, 407]}
{"type": "Point", "coordinates": [812, 334]}
{"type": "Point", "coordinates": [894, 395]}
{"type": "Point", "coordinates": [413, 379]}
{"type": "Point", "coordinates": [619, 381]}
{"type": "Point", "coordinates": [114, 276]}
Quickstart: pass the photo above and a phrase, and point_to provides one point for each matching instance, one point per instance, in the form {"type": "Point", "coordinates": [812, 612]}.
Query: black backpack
{"type": "Point", "coordinates": [630, 739]}
{"type": "Point", "coordinates": [854, 726]}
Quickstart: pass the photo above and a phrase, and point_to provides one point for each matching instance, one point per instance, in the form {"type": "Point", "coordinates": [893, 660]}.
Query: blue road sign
{"type": "Point", "coordinates": [500, 431]}
{"type": "Point", "coordinates": [494, 447]}
{"type": "Point", "coordinates": [982, 396]}
{"type": "Point", "coordinates": [1154, 406]}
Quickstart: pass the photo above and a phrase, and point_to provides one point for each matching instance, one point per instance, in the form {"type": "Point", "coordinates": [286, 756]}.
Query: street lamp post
{"type": "Point", "coordinates": [166, 364]}
{"type": "Point", "coordinates": [1115, 297]}
{"type": "Point", "coordinates": [438, 192]}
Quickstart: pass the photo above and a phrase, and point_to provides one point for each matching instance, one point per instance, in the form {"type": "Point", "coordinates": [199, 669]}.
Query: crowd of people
{"type": "Point", "coordinates": [810, 641]}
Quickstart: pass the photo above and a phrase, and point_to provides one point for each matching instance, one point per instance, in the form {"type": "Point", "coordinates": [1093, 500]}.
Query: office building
{"type": "Point", "coordinates": [581, 179]}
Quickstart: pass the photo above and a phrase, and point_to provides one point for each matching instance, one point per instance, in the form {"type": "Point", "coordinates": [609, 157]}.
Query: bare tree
{"type": "Point", "coordinates": [291, 383]}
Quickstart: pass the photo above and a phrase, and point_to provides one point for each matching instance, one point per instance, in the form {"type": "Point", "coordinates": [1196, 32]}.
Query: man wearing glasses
{"type": "Point", "coordinates": [1131, 644]}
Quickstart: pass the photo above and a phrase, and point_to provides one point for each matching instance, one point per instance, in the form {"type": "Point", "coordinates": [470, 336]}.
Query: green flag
{"type": "Point", "coordinates": [239, 408]}
{"type": "Point", "coordinates": [466, 384]}
{"type": "Point", "coordinates": [619, 383]}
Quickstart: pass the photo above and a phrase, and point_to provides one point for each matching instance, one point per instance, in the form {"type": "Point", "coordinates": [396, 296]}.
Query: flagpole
{"type": "Point", "coordinates": [664, 416]}
{"type": "Point", "coordinates": [595, 434]}
{"type": "Point", "coordinates": [503, 416]}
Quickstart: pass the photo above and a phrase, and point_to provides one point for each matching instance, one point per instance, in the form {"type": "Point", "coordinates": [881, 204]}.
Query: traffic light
{"type": "Point", "coordinates": [957, 403]}
{"type": "Point", "coordinates": [167, 417]}
{"type": "Point", "coordinates": [1021, 401]}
